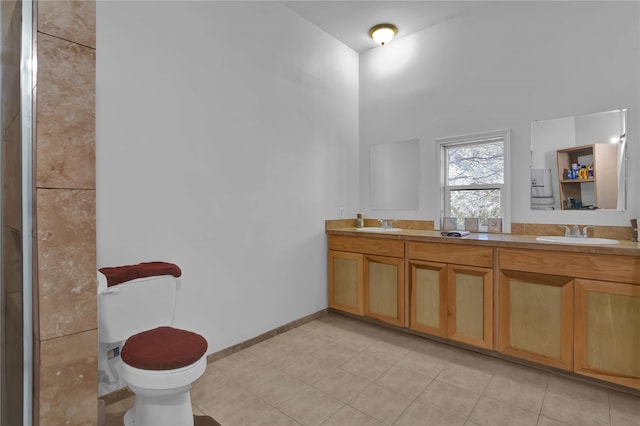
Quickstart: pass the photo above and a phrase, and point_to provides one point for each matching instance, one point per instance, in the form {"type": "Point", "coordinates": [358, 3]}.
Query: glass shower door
{"type": "Point", "coordinates": [16, 87]}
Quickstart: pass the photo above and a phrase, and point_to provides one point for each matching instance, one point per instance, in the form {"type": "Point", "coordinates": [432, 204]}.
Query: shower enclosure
{"type": "Point", "coordinates": [16, 224]}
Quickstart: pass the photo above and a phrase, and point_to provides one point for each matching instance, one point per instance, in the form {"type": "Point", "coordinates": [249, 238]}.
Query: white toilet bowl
{"type": "Point", "coordinates": [159, 366]}
{"type": "Point", "coordinates": [162, 397]}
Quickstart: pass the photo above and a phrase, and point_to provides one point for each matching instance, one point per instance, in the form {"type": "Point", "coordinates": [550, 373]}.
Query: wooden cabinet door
{"type": "Point", "coordinates": [384, 289]}
{"type": "Point", "coordinates": [428, 300]}
{"type": "Point", "coordinates": [470, 302]}
{"type": "Point", "coordinates": [607, 331]}
{"type": "Point", "coordinates": [535, 318]}
{"type": "Point", "coordinates": [345, 282]}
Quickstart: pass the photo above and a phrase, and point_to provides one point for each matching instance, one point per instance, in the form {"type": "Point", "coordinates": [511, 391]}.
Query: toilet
{"type": "Point", "coordinates": [155, 360]}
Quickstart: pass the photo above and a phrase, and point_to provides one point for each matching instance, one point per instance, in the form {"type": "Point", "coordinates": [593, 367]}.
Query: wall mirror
{"type": "Point", "coordinates": [394, 175]}
{"type": "Point", "coordinates": [579, 162]}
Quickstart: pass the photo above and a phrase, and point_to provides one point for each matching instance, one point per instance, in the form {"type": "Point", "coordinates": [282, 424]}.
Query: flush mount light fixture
{"type": "Point", "coordinates": [383, 33]}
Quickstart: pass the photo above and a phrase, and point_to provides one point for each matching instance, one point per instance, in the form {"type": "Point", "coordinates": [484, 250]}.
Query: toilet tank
{"type": "Point", "coordinates": [135, 306]}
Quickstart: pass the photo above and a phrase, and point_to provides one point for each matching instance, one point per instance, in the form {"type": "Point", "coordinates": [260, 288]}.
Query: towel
{"type": "Point", "coordinates": [454, 233]}
{"type": "Point", "coordinates": [120, 274]}
{"type": "Point", "coordinates": [541, 183]}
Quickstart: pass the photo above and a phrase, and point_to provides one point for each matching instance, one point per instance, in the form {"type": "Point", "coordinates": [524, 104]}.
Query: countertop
{"type": "Point", "coordinates": [625, 248]}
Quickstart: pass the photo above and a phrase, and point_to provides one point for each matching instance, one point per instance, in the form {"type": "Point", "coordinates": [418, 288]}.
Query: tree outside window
{"type": "Point", "coordinates": [473, 176]}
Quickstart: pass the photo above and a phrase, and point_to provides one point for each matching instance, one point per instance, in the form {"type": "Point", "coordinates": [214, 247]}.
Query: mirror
{"type": "Point", "coordinates": [394, 175]}
{"type": "Point", "coordinates": [578, 163]}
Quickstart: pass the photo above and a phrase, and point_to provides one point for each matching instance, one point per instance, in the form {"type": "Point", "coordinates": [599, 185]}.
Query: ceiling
{"type": "Point", "coordinates": [350, 21]}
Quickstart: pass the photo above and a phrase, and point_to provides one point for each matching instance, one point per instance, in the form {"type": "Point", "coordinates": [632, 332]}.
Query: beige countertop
{"type": "Point", "coordinates": [625, 248]}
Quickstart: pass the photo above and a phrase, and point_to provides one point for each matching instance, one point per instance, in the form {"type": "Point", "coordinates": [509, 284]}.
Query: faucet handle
{"type": "Point", "coordinates": [386, 223]}
{"type": "Point", "coordinates": [584, 230]}
{"type": "Point", "coordinates": [567, 231]}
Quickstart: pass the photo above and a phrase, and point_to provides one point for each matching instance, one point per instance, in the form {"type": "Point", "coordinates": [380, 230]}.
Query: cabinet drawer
{"type": "Point", "coordinates": [622, 269]}
{"type": "Point", "coordinates": [376, 246]}
{"type": "Point", "coordinates": [452, 253]}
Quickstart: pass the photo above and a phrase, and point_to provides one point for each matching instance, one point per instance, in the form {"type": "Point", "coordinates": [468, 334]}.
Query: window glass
{"type": "Point", "coordinates": [474, 178]}
{"type": "Point", "coordinates": [476, 164]}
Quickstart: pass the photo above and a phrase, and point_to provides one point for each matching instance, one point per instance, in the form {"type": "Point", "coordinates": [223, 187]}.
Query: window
{"type": "Point", "coordinates": [474, 178]}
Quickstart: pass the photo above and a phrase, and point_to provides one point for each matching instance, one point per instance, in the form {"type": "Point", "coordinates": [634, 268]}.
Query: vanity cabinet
{"type": "Point", "coordinates": [600, 190]}
{"type": "Point", "coordinates": [452, 292]}
{"type": "Point", "coordinates": [366, 277]}
{"type": "Point", "coordinates": [607, 331]}
{"type": "Point", "coordinates": [384, 289]}
{"type": "Point", "coordinates": [345, 282]}
{"type": "Point", "coordinates": [575, 311]}
{"type": "Point", "coordinates": [535, 307]}
{"type": "Point", "coordinates": [535, 316]}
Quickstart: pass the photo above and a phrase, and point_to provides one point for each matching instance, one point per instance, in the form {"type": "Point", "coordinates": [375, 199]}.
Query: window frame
{"type": "Point", "coordinates": [443, 190]}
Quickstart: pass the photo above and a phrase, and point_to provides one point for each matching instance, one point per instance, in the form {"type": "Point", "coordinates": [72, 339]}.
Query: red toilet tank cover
{"type": "Point", "coordinates": [120, 274]}
{"type": "Point", "coordinates": [163, 348]}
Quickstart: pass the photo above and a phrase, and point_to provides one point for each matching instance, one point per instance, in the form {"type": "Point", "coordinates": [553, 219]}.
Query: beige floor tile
{"type": "Point", "coordinates": [427, 415]}
{"type": "Point", "coordinates": [434, 349]}
{"type": "Point", "coordinates": [241, 409]}
{"type": "Point", "coordinates": [277, 388]}
{"type": "Point", "coordinates": [417, 382]}
{"type": "Point", "coordinates": [334, 354]}
{"type": "Point", "coordinates": [465, 378]}
{"type": "Point", "coordinates": [423, 364]}
{"type": "Point", "coordinates": [213, 387]}
{"type": "Point", "coordinates": [308, 343]}
{"type": "Point", "coordinates": [578, 389]}
{"type": "Point", "coordinates": [489, 412]}
{"type": "Point", "coordinates": [367, 367]}
{"type": "Point", "coordinates": [625, 409]}
{"type": "Point", "coordinates": [286, 358]}
{"type": "Point", "coordinates": [476, 362]}
{"type": "Point", "coordinates": [348, 416]}
{"type": "Point", "coordinates": [310, 407]}
{"type": "Point", "coordinates": [269, 350]}
{"type": "Point", "coordinates": [308, 369]}
{"type": "Point", "coordinates": [238, 364]}
{"type": "Point", "coordinates": [357, 342]}
{"type": "Point", "coordinates": [256, 375]}
{"type": "Point", "coordinates": [516, 392]}
{"type": "Point", "coordinates": [381, 403]}
{"type": "Point", "coordinates": [449, 398]}
{"type": "Point", "coordinates": [342, 385]}
{"type": "Point", "coordinates": [404, 381]}
{"type": "Point", "coordinates": [523, 374]}
{"type": "Point", "coordinates": [386, 352]}
{"type": "Point", "coordinates": [546, 421]}
{"type": "Point", "coordinates": [273, 417]}
{"type": "Point", "coordinates": [328, 332]}
{"type": "Point", "coordinates": [575, 409]}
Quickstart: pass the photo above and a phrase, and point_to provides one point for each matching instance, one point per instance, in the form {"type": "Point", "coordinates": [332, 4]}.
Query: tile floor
{"type": "Point", "coordinates": [340, 371]}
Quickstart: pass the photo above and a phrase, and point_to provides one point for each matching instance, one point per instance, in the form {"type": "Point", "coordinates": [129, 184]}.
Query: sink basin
{"type": "Point", "coordinates": [378, 229]}
{"type": "Point", "coordinates": [574, 240]}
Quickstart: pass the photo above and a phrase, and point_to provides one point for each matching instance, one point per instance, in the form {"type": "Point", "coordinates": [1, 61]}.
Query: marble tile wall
{"type": "Point", "coordinates": [66, 336]}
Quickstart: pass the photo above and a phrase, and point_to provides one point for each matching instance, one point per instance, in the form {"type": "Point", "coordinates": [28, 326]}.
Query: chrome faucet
{"type": "Point", "coordinates": [386, 223]}
{"type": "Point", "coordinates": [575, 231]}
{"type": "Point", "coordinates": [584, 231]}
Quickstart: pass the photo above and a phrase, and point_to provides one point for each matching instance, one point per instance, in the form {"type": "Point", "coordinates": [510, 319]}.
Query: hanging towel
{"type": "Point", "coordinates": [119, 274]}
{"type": "Point", "coordinates": [541, 183]}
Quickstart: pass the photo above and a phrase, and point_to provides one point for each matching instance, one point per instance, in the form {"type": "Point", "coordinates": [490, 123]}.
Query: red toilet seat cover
{"type": "Point", "coordinates": [163, 348]}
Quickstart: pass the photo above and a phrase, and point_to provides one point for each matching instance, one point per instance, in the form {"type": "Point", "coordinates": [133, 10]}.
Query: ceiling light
{"type": "Point", "coordinates": [383, 33]}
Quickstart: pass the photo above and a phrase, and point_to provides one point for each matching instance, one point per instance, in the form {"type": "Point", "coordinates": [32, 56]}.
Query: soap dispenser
{"type": "Point", "coordinates": [634, 225]}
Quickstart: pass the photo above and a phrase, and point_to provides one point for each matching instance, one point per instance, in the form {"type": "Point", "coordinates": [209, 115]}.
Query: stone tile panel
{"type": "Point", "coordinates": [67, 261]}
{"type": "Point", "coordinates": [65, 134]}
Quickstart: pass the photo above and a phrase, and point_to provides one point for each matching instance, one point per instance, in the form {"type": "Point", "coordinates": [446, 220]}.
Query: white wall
{"type": "Point", "coordinates": [504, 65]}
{"type": "Point", "coordinates": [226, 134]}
